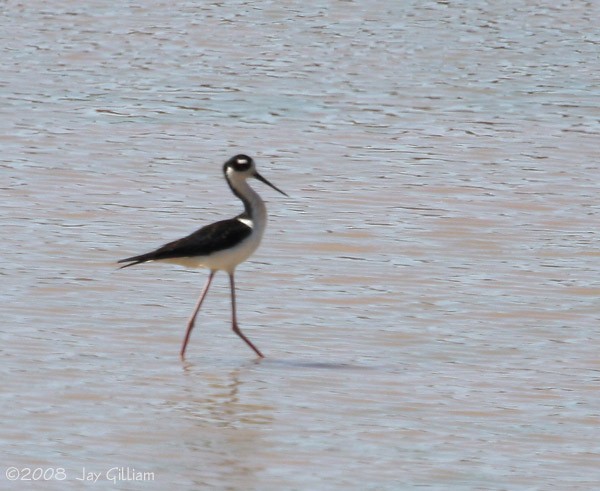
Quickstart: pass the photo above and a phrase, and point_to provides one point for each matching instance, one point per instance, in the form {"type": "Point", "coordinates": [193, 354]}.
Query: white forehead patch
{"type": "Point", "coordinates": [242, 161]}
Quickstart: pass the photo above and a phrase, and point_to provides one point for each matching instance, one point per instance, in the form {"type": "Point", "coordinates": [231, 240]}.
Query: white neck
{"type": "Point", "coordinates": [255, 208]}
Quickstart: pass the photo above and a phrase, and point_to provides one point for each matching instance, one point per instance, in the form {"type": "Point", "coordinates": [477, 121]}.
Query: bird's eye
{"type": "Point", "coordinates": [239, 163]}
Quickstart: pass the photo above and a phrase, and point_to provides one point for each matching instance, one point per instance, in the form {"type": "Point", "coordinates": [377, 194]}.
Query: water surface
{"type": "Point", "coordinates": [427, 299]}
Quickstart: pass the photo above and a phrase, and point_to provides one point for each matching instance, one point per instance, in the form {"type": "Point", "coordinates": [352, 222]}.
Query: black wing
{"type": "Point", "coordinates": [211, 238]}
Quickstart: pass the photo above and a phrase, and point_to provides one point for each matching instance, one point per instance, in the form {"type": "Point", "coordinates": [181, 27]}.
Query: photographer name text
{"type": "Point", "coordinates": [115, 474]}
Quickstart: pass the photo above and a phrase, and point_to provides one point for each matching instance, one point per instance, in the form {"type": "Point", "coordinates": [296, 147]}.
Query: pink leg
{"type": "Point", "coordinates": [234, 323]}
{"type": "Point", "coordinates": [190, 324]}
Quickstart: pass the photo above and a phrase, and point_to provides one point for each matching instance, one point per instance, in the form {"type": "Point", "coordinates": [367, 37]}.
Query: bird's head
{"type": "Point", "coordinates": [243, 167]}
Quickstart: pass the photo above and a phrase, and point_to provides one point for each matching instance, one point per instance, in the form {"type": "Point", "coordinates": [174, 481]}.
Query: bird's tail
{"type": "Point", "coordinates": [135, 260]}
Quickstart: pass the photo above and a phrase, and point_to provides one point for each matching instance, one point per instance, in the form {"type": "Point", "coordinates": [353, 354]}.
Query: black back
{"type": "Point", "coordinates": [203, 242]}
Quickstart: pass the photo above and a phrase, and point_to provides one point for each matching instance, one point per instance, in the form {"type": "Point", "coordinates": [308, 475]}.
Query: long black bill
{"type": "Point", "coordinates": [262, 179]}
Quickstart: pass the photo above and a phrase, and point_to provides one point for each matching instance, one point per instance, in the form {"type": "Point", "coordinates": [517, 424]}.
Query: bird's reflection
{"type": "Point", "coordinates": [218, 396]}
{"type": "Point", "coordinates": [228, 421]}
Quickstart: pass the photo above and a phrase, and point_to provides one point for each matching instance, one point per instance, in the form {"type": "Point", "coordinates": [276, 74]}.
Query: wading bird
{"type": "Point", "coordinates": [222, 245]}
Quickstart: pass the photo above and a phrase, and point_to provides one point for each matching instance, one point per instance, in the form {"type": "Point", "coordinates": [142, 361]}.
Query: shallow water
{"type": "Point", "coordinates": [427, 298]}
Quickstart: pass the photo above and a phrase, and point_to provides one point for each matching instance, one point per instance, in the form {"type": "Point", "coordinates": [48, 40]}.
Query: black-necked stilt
{"type": "Point", "coordinates": [222, 245]}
